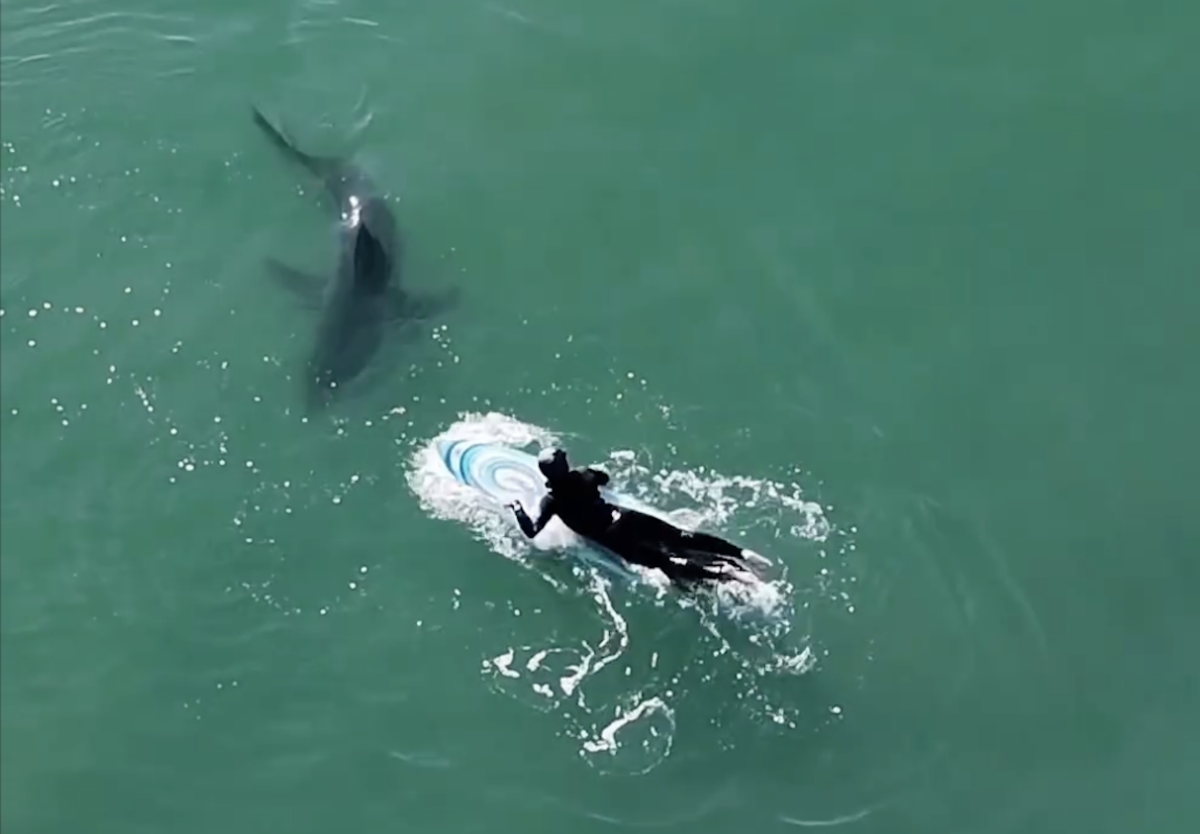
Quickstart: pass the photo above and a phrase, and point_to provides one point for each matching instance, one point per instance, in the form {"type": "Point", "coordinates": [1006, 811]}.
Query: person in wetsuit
{"type": "Point", "coordinates": [574, 496]}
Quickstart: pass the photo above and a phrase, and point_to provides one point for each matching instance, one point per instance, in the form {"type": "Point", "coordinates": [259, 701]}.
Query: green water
{"type": "Point", "coordinates": [933, 264]}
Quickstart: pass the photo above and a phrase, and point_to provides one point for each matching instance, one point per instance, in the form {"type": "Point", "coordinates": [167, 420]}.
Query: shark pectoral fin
{"type": "Point", "coordinates": [307, 286]}
{"type": "Point", "coordinates": [425, 305]}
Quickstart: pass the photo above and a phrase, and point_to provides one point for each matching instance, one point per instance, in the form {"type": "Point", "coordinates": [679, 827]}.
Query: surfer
{"type": "Point", "coordinates": [685, 557]}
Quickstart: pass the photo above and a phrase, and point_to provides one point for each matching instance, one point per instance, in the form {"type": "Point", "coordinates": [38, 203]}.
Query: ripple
{"type": "Point", "coordinates": [48, 45]}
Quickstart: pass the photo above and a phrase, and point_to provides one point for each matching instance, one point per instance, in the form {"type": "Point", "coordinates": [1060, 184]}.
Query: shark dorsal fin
{"type": "Point", "coordinates": [370, 260]}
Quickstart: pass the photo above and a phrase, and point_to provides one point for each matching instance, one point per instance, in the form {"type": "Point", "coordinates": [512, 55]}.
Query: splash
{"type": "Point", "coordinates": [624, 716]}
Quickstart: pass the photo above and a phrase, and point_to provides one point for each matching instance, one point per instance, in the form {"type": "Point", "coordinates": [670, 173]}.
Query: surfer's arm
{"type": "Point", "coordinates": [532, 528]}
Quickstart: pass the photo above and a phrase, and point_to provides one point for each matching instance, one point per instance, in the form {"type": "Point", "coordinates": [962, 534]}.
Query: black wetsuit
{"type": "Point", "coordinates": [685, 557]}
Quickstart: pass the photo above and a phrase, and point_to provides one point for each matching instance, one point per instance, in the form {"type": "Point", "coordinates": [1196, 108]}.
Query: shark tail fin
{"type": "Point", "coordinates": [317, 165]}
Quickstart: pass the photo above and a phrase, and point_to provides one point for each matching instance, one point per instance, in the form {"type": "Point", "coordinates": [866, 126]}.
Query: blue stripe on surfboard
{"type": "Point", "coordinates": [462, 471]}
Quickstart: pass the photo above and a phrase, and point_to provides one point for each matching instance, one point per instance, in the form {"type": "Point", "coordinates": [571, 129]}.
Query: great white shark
{"type": "Point", "coordinates": [363, 299]}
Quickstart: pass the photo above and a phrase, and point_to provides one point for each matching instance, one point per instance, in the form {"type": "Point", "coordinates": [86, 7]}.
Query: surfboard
{"type": "Point", "coordinates": [505, 474]}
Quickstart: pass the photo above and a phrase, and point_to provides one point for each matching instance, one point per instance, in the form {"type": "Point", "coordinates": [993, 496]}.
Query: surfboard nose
{"type": "Point", "coordinates": [445, 448]}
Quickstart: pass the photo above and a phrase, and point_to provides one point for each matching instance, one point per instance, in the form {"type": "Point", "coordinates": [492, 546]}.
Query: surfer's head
{"type": "Point", "coordinates": [553, 463]}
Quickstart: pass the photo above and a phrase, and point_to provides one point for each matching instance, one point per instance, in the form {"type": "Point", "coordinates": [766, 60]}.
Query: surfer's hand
{"type": "Point", "coordinates": [515, 506]}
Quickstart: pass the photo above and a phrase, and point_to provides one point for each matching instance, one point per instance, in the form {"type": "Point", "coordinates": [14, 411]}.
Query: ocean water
{"type": "Point", "coordinates": [901, 296]}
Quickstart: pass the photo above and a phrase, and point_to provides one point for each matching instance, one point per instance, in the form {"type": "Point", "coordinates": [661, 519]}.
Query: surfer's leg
{"type": "Point", "coordinates": [710, 544]}
{"type": "Point", "coordinates": [654, 543]}
{"type": "Point", "coordinates": [703, 548]}
{"type": "Point", "coordinates": [695, 555]}
{"type": "Point", "coordinates": [715, 551]}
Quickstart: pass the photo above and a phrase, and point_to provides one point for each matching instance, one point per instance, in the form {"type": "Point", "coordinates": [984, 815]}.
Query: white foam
{"type": "Point", "coordinates": [653, 717]}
